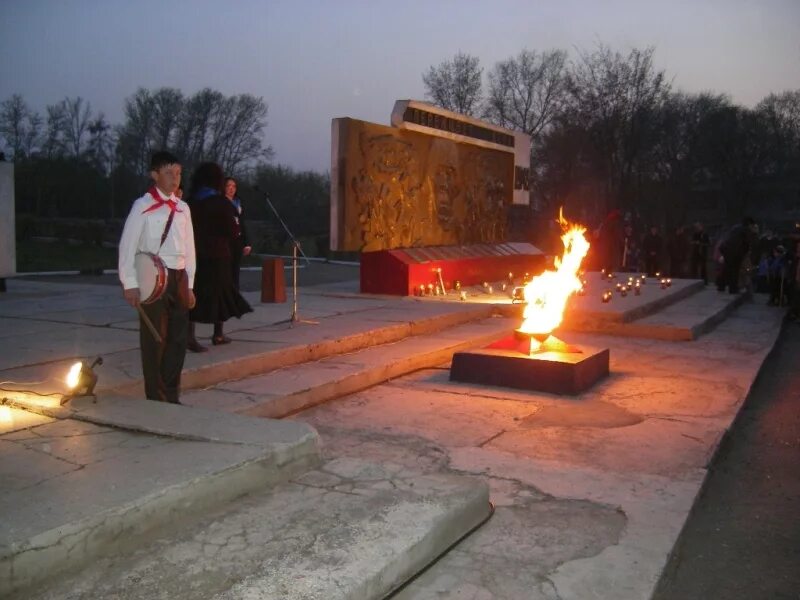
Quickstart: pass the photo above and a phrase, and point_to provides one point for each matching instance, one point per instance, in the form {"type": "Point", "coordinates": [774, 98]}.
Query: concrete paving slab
{"type": "Point", "coordinates": [17, 327]}
{"type": "Point", "coordinates": [351, 530]}
{"type": "Point", "coordinates": [63, 343]}
{"type": "Point", "coordinates": [158, 464]}
{"type": "Point", "coordinates": [14, 419]}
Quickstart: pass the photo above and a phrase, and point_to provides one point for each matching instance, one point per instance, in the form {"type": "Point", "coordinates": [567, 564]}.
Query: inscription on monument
{"type": "Point", "coordinates": [395, 188]}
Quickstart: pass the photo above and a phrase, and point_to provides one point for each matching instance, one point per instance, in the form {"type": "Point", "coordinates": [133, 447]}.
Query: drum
{"type": "Point", "coordinates": [151, 273]}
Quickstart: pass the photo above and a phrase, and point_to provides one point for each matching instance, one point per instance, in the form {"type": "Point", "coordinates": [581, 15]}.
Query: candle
{"type": "Point", "coordinates": [623, 291]}
{"type": "Point", "coordinates": [637, 290]}
{"type": "Point", "coordinates": [490, 289]}
{"type": "Point", "coordinates": [669, 282]}
{"type": "Point", "coordinates": [463, 296]}
{"type": "Point", "coordinates": [457, 285]}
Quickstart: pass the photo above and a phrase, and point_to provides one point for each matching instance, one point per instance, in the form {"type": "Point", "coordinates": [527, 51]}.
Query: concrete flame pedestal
{"type": "Point", "coordinates": [557, 369]}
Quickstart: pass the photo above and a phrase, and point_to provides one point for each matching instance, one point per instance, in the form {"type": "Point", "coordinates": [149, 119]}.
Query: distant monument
{"type": "Point", "coordinates": [431, 192]}
{"type": "Point", "coordinates": [8, 250]}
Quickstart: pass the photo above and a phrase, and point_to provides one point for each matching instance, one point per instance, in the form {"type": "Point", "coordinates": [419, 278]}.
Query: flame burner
{"type": "Point", "coordinates": [524, 361]}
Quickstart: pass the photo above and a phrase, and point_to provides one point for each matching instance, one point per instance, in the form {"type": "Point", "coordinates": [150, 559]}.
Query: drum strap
{"type": "Point", "coordinates": [166, 228]}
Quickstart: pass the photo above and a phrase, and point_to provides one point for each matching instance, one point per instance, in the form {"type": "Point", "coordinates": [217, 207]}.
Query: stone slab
{"type": "Point", "coordinates": [106, 474]}
{"type": "Point", "coordinates": [351, 530]}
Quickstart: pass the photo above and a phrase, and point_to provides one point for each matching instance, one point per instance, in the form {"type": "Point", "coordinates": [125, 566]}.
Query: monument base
{"type": "Point", "coordinates": [401, 271]}
{"type": "Point", "coordinates": [555, 372]}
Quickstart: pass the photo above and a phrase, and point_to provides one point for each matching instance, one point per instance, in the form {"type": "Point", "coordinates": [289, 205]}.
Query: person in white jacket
{"type": "Point", "coordinates": [160, 223]}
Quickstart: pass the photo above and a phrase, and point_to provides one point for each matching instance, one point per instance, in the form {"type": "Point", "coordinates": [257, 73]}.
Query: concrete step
{"type": "Point", "coordinates": [291, 389]}
{"type": "Point", "coordinates": [684, 320]}
{"type": "Point", "coordinates": [93, 478]}
{"type": "Point", "coordinates": [688, 319]}
{"type": "Point", "coordinates": [305, 342]}
{"type": "Point", "coordinates": [349, 531]}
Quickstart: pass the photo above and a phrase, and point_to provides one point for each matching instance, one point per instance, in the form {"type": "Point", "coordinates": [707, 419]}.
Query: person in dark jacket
{"type": "Point", "coordinates": [215, 229]}
{"type": "Point", "coordinates": [733, 249]}
{"type": "Point", "coordinates": [652, 247]}
{"type": "Point", "coordinates": [241, 246]}
{"type": "Point", "coordinates": [678, 250]}
{"type": "Point", "coordinates": [698, 262]}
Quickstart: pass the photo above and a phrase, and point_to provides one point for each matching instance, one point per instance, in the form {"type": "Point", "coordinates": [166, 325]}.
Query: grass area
{"type": "Point", "coordinates": [39, 255]}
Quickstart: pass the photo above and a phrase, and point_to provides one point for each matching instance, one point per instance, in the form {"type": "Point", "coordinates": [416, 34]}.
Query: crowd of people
{"type": "Point", "coordinates": [740, 258]}
{"type": "Point", "coordinates": [200, 243]}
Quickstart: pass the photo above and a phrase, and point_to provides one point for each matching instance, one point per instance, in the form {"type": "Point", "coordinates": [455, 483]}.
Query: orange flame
{"type": "Point", "coordinates": [547, 294]}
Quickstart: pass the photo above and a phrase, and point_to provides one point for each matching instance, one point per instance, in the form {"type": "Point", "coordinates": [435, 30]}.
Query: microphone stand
{"type": "Point", "coordinates": [294, 318]}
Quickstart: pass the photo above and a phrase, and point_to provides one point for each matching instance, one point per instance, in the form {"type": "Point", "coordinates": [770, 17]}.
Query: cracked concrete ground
{"type": "Point", "coordinates": [323, 536]}
{"type": "Point", "coordinates": [590, 491]}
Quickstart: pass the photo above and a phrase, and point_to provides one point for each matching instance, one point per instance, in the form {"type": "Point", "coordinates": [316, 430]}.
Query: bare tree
{"type": "Point", "coordinates": [527, 92]}
{"type": "Point", "coordinates": [77, 116]}
{"type": "Point", "coordinates": [14, 125]}
{"type": "Point", "coordinates": [167, 106]}
{"type": "Point", "coordinates": [195, 125]}
{"type": "Point", "coordinates": [204, 126]}
{"type": "Point", "coordinates": [455, 84]}
{"type": "Point", "coordinates": [134, 139]}
{"type": "Point", "coordinates": [781, 117]}
{"type": "Point", "coordinates": [242, 139]}
{"type": "Point", "coordinates": [101, 144]}
{"type": "Point", "coordinates": [53, 144]}
{"type": "Point", "coordinates": [615, 99]}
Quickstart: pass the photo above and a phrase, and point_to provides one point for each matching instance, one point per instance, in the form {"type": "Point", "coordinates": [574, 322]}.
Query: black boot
{"type": "Point", "coordinates": [219, 338]}
{"type": "Point", "coordinates": [193, 345]}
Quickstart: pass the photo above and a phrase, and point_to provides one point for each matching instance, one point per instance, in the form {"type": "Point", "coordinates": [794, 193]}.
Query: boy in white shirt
{"type": "Point", "coordinates": [160, 223]}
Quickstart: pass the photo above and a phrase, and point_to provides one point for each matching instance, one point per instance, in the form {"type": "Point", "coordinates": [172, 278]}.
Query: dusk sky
{"type": "Point", "coordinates": [312, 61]}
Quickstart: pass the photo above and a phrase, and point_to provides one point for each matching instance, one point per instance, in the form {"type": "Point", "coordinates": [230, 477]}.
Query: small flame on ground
{"type": "Point", "coordinates": [547, 294]}
{"type": "Point", "coordinates": [5, 415]}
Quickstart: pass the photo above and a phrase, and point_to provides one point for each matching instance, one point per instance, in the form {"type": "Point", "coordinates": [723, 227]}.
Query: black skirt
{"type": "Point", "coordinates": [217, 297]}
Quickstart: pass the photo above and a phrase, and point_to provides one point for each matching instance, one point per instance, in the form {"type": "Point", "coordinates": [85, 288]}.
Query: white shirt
{"type": "Point", "coordinates": [142, 233]}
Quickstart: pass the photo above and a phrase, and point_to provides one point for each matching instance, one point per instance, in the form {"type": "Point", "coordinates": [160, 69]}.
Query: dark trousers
{"type": "Point", "coordinates": [730, 274]}
{"type": "Point", "coordinates": [162, 363]}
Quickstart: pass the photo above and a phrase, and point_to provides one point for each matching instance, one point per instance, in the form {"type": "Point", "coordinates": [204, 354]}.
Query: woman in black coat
{"type": "Point", "coordinates": [215, 230]}
{"type": "Point", "coordinates": [241, 246]}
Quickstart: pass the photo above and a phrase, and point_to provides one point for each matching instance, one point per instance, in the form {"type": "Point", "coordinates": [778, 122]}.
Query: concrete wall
{"type": "Point", "coordinates": [8, 249]}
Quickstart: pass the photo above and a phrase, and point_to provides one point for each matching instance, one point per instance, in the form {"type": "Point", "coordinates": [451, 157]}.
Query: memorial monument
{"type": "Point", "coordinates": [428, 196]}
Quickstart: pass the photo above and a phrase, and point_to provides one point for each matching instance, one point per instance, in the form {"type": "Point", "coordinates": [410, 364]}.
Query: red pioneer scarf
{"type": "Point", "coordinates": [159, 202]}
